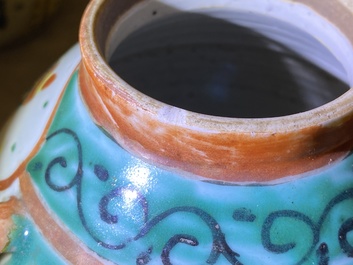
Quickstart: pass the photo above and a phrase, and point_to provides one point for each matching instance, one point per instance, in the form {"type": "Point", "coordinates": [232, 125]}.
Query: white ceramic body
{"type": "Point", "coordinates": [78, 189]}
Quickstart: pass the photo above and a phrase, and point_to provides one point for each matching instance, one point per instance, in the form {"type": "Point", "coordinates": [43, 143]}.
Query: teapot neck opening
{"type": "Point", "coordinates": [225, 91]}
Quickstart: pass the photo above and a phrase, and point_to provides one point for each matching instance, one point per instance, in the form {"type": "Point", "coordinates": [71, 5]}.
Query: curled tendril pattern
{"type": "Point", "coordinates": [219, 246]}
{"type": "Point", "coordinates": [315, 227]}
{"type": "Point", "coordinates": [219, 243]}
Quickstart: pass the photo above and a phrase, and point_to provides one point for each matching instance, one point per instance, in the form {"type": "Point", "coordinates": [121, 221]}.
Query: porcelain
{"type": "Point", "coordinates": [18, 18]}
{"type": "Point", "coordinates": [96, 171]}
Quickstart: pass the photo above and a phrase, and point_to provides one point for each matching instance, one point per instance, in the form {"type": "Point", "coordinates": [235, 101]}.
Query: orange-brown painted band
{"type": "Point", "coordinates": [7, 209]}
{"type": "Point", "coordinates": [222, 156]}
{"type": "Point", "coordinates": [10, 207]}
{"type": "Point", "coordinates": [63, 241]}
{"type": "Point", "coordinates": [6, 183]}
{"type": "Point", "coordinates": [218, 155]}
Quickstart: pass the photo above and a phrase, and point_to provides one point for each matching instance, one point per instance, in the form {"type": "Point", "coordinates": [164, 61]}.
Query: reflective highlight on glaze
{"type": "Point", "coordinates": [237, 150]}
{"type": "Point", "coordinates": [27, 246]}
{"type": "Point", "coordinates": [84, 199]}
{"type": "Point", "coordinates": [131, 212]}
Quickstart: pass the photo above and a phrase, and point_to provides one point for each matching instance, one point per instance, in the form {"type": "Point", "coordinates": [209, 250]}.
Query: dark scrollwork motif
{"type": "Point", "coordinates": [63, 163]}
{"type": "Point", "coordinates": [322, 254]}
{"type": "Point", "coordinates": [266, 230]}
{"type": "Point", "coordinates": [186, 239]}
{"type": "Point", "coordinates": [144, 258]}
{"type": "Point", "coordinates": [323, 250]}
{"type": "Point", "coordinates": [346, 227]}
{"type": "Point", "coordinates": [113, 219]}
{"type": "Point", "coordinates": [219, 245]}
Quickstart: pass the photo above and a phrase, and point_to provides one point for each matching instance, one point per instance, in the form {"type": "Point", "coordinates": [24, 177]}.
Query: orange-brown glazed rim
{"type": "Point", "coordinates": [216, 148]}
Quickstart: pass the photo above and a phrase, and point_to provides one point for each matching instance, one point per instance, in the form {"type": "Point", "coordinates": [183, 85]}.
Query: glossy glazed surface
{"type": "Point", "coordinates": [129, 211]}
{"type": "Point", "coordinates": [76, 194]}
{"type": "Point", "coordinates": [238, 150]}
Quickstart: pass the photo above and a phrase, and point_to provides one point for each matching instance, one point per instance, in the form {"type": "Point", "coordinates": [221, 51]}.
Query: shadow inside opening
{"type": "Point", "coordinates": [211, 66]}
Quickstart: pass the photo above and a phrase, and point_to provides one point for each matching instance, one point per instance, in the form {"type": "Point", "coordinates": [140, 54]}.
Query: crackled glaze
{"type": "Point", "coordinates": [81, 188]}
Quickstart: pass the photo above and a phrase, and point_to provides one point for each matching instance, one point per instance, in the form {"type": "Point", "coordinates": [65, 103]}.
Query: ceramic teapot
{"type": "Point", "coordinates": [187, 132]}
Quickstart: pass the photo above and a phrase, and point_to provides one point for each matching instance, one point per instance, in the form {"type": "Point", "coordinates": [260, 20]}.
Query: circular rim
{"type": "Point", "coordinates": [324, 114]}
{"type": "Point", "coordinates": [330, 117]}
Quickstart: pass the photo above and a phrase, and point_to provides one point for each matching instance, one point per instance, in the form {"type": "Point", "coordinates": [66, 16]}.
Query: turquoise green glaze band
{"type": "Point", "coordinates": [132, 212]}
